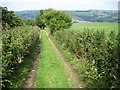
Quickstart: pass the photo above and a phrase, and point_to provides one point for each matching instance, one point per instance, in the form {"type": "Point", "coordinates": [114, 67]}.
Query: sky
{"type": "Point", "coordinates": [19, 5]}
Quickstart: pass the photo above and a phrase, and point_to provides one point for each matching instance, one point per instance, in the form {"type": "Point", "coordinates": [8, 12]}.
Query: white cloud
{"type": "Point", "coordinates": [60, 4]}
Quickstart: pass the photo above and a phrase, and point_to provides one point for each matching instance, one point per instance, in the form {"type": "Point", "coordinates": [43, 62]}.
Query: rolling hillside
{"type": "Point", "coordinates": [88, 15]}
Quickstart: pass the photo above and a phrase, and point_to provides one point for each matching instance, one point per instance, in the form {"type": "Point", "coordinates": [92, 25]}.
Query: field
{"type": "Point", "coordinates": [108, 27]}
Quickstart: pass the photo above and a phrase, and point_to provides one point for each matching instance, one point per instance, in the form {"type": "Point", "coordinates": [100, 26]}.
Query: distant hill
{"type": "Point", "coordinates": [78, 15]}
{"type": "Point", "coordinates": [27, 14]}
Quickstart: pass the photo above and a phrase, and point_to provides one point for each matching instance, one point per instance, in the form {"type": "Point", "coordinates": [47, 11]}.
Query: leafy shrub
{"type": "Point", "coordinates": [16, 45]}
{"type": "Point", "coordinates": [98, 50]}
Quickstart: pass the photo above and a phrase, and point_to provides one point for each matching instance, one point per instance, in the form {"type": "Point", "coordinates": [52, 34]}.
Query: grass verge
{"type": "Point", "coordinates": [50, 72]}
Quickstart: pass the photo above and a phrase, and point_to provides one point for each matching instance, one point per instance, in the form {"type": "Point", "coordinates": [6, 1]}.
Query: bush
{"type": "Point", "coordinates": [16, 45]}
{"type": "Point", "coordinates": [98, 50]}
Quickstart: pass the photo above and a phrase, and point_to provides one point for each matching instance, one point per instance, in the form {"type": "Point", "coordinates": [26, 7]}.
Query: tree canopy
{"type": "Point", "coordinates": [40, 19]}
{"type": "Point", "coordinates": [8, 17]}
{"type": "Point", "coordinates": [54, 19]}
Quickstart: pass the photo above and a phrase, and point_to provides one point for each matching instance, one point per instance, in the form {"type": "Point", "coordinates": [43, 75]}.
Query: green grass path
{"type": "Point", "coordinates": [50, 72]}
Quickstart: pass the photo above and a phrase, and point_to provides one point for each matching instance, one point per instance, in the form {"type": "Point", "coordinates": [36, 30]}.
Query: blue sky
{"type": "Point", "coordinates": [18, 5]}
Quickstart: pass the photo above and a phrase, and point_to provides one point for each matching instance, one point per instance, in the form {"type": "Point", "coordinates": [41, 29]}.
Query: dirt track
{"type": "Point", "coordinates": [72, 76]}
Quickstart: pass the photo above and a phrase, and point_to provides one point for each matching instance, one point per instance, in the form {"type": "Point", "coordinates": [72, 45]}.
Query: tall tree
{"type": "Point", "coordinates": [40, 19]}
{"type": "Point", "coordinates": [9, 18]}
{"type": "Point", "coordinates": [57, 20]}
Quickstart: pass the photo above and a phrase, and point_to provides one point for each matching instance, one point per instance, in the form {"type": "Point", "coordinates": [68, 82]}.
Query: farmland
{"type": "Point", "coordinates": [53, 52]}
{"type": "Point", "coordinates": [107, 27]}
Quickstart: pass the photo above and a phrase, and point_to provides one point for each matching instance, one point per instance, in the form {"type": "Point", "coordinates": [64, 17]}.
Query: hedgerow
{"type": "Point", "coordinates": [16, 44]}
{"type": "Point", "coordinates": [98, 51]}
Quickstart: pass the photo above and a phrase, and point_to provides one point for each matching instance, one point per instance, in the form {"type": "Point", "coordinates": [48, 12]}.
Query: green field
{"type": "Point", "coordinates": [96, 26]}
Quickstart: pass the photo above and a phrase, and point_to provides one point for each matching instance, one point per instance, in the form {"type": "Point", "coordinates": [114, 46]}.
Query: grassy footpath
{"type": "Point", "coordinates": [50, 73]}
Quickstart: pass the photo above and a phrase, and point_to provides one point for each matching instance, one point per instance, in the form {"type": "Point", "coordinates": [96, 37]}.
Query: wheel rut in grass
{"type": "Point", "coordinates": [72, 76]}
{"type": "Point", "coordinates": [50, 73]}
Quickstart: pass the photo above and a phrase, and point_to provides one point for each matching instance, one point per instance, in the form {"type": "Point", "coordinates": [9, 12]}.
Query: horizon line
{"type": "Point", "coordinates": [66, 9]}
